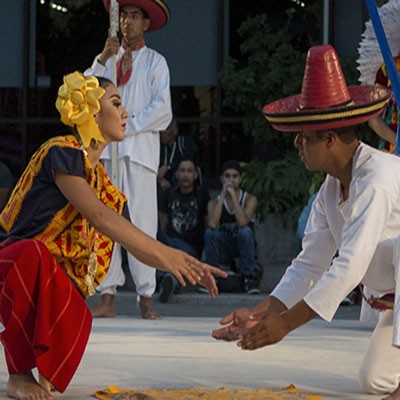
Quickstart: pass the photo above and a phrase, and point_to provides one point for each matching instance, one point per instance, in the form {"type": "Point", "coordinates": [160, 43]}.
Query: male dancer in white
{"type": "Point", "coordinates": [144, 85]}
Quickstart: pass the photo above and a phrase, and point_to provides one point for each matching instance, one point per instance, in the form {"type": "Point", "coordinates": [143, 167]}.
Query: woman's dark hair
{"type": "Point", "coordinates": [104, 82]}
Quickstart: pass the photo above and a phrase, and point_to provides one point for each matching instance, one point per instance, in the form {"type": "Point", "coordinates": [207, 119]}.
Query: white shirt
{"type": "Point", "coordinates": [146, 97]}
{"type": "Point", "coordinates": [363, 229]}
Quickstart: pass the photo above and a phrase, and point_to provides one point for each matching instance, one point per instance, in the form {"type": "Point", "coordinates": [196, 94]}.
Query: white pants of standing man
{"type": "Point", "coordinates": [140, 187]}
{"type": "Point", "coordinates": [380, 369]}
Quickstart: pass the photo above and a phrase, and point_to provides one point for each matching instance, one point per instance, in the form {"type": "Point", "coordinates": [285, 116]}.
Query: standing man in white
{"type": "Point", "coordinates": [144, 84]}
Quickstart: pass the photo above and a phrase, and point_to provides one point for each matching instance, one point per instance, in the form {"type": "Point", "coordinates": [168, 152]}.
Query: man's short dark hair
{"type": "Point", "coordinates": [184, 158]}
{"type": "Point", "coordinates": [346, 134]}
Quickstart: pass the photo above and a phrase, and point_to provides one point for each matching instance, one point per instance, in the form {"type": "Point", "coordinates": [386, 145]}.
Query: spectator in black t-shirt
{"type": "Point", "coordinates": [183, 214]}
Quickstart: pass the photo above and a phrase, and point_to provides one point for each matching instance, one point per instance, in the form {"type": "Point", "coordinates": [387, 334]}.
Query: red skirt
{"type": "Point", "coordinates": [46, 320]}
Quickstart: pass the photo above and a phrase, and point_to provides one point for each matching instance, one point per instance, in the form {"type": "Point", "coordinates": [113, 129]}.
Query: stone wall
{"type": "Point", "coordinates": [275, 248]}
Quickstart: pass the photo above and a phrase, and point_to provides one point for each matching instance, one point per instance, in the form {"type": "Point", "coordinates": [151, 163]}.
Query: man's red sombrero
{"type": "Point", "coordinates": [157, 11]}
{"type": "Point", "coordinates": [325, 101]}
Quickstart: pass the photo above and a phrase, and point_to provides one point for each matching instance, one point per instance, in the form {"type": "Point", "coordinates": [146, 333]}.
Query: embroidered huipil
{"type": "Point", "coordinates": [363, 230]}
{"type": "Point", "coordinates": [37, 209]}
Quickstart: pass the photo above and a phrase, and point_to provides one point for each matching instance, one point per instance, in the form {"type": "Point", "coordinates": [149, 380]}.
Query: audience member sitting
{"type": "Point", "coordinates": [183, 214]}
{"type": "Point", "coordinates": [230, 231]}
{"type": "Point", "coordinates": [174, 147]}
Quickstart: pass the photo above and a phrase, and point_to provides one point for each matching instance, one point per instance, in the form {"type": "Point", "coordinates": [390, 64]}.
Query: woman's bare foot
{"type": "Point", "coordinates": [394, 396]}
{"type": "Point", "coordinates": [146, 308]}
{"type": "Point", "coordinates": [25, 387]}
{"type": "Point", "coordinates": [105, 308]}
{"type": "Point", "coordinates": [45, 383]}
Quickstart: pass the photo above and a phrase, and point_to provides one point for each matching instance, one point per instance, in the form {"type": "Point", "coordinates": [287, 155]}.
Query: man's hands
{"type": "Point", "coordinates": [237, 321]}
{"type": "Point", "coordinates": [268, 323]}
{"type": "Point", "coordinates": [270, 329]}
{"type": "Point", "coordinates": [252, 330]}
{"type": "Point", "coordinates": [162, 181]}
{"type": "Point", "coordinates": [110, 48]}
{"type": "Point", "coordinates": [228, 190]}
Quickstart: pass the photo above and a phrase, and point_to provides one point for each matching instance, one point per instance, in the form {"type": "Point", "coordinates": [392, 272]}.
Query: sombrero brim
{"type": "Point", "coordinates": [367, 102]}
{"type": "Point", "coordinates": [157, 11]}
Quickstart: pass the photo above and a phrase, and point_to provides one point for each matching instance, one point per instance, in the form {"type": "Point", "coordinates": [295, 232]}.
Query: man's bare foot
{"type": "Point", "coordinates": [25, 387]}
{"type": "Point", "coordinates": [146, 308]}
{"type": "Point", "coordinates": [394, 396]}
{"type": "Point", "coordinates": [45, 383]}
{"type": "Point", "coordinates": [105, 308]}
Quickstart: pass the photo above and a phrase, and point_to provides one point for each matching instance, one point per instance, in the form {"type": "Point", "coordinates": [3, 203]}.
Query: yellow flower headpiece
{"type": "Point", "coordinates": [77, 102]}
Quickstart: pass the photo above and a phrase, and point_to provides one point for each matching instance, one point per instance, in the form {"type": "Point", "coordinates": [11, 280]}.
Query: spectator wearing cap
{"type": "Point", "coordinates": [230, 232]}
{"type": "Point", "coordinates": [144, 83]}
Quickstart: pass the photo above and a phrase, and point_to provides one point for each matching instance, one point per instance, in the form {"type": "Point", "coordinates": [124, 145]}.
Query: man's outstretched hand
{"type": "Point", "coordinates": [236, 322]}
{"type": "Point", "coordinates": [269, 329]}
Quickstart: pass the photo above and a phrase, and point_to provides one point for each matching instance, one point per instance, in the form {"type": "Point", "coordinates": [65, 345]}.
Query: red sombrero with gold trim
{"type": "Point", "coordinates": [157, 11]}
{"type": "Point", "coordinates": [325, 101]}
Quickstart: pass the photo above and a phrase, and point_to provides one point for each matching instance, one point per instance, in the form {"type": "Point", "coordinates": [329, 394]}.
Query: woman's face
{"type": "Point", "coordinates": [111, 118]}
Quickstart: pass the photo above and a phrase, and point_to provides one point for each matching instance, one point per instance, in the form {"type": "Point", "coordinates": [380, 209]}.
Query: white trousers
{"type": "Point", "coordinates": [140, 187]}
{"type": "Point", "coordinates": [380, 369]}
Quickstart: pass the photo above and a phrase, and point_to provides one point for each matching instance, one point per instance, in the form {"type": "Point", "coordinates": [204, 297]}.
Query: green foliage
{"type": "Point", "coordinates": [281, 186]}
{"type": "Point", "coordinates": [273, 69]}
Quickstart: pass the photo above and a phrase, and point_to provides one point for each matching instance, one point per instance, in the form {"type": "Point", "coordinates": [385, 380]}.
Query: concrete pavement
{"type": "Point", "coordinates": [178, 352]}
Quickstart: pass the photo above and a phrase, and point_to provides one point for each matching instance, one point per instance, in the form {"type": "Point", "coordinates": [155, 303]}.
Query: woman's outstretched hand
{"type": "Point", "coordinates": [187, 268]}
{"type": "Point", "coordinates": [208, 279]}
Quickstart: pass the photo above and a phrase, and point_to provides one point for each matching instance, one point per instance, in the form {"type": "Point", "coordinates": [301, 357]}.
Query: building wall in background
{"type": "Point", "coordinates": [12, 42]}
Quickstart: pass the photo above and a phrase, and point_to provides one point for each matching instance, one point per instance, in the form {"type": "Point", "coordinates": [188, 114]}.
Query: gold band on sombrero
{"type": "Point", "coordinates": [164, 8]}
{"type": "Point", "coordinates": [328, 116]}
{"type": "Point", "coordinates": [325, 101]}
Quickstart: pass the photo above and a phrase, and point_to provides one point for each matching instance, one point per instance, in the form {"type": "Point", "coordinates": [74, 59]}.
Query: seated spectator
{"type": "Point", "coordinates": [174, 147]}
{"type": "Point", "coordinates": [183, 214]}
{"type": "Point", "coordinates": [6, 184]}
{"type": "Point", "coordinates": [230, 231]}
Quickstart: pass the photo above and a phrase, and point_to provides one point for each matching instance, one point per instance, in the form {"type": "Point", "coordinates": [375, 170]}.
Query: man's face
{"type": "Point", "coordinates": [311, 147]}
{"type": "Point", "coordinates": [231, 177]}
{"type": "Point", "coordinates": [186, 173]}
{"type": "Point", "coordinates": [132, 23]}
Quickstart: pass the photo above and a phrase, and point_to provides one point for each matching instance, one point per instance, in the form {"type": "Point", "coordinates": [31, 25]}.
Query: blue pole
{"type": "Point", "coordinates": [387, 58]}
